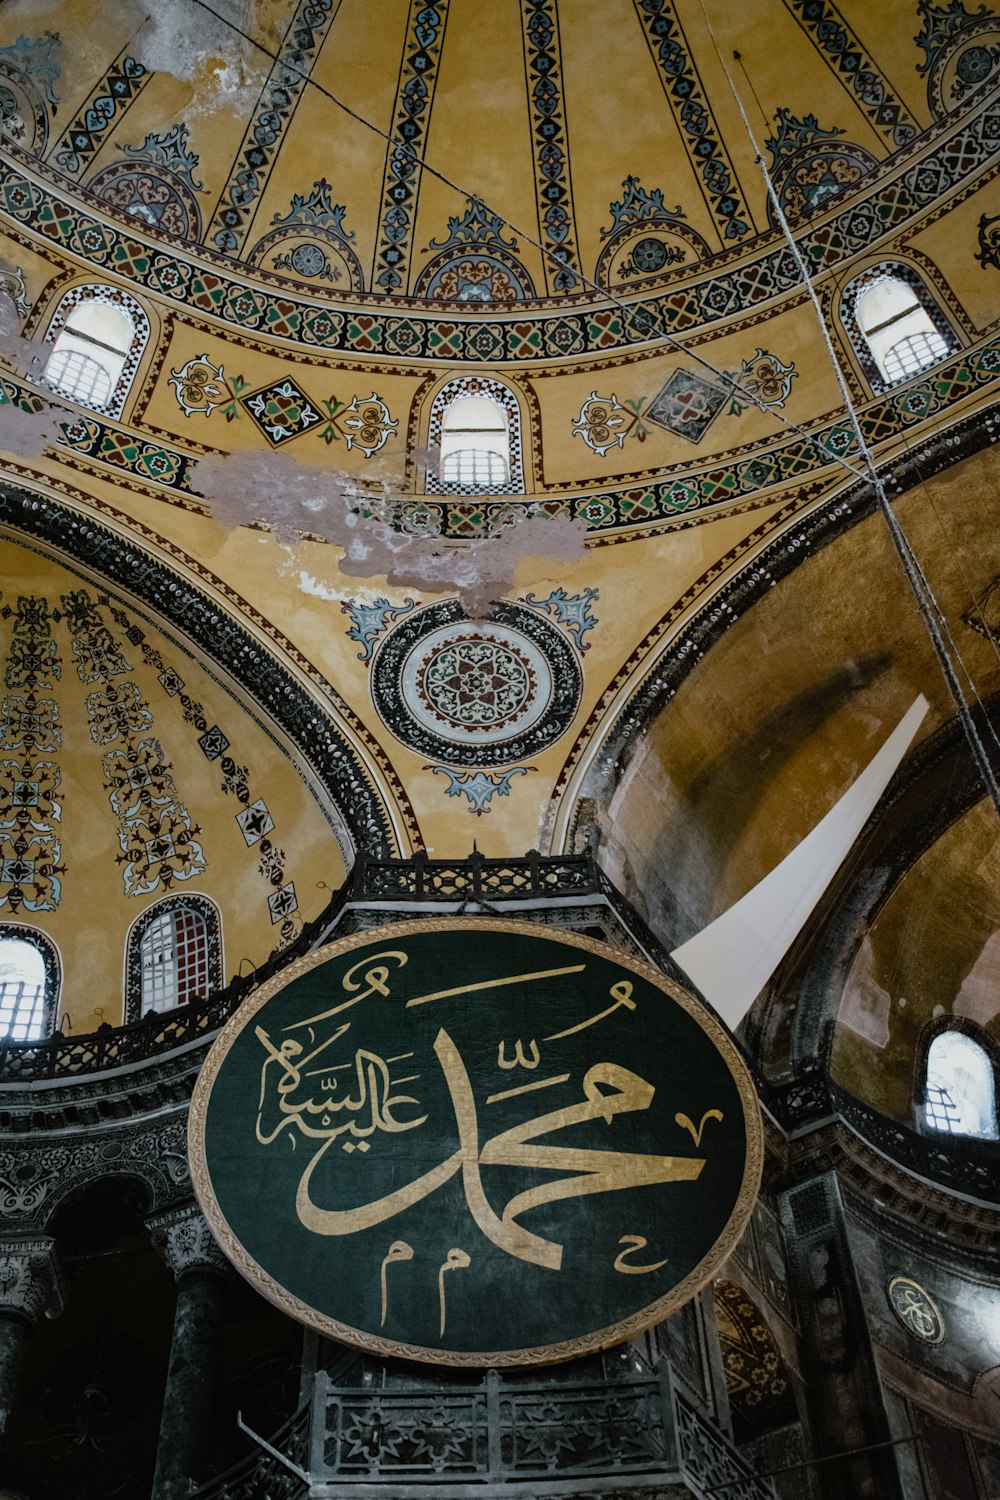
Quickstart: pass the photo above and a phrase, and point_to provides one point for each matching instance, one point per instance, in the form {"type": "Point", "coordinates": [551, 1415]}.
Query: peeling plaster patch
{"type": "Point", "coordinates": [27, 434]}
{"type": "Point", "coordinates": [298, 503]}
{"type": "Point", "coordinates": [27, 358]}
{"type": "Point", "coordinates": [979, 997]}
{"type": "Point", "coordinates": [866, 1005]}
{"type": "Point", "coordinates": [185, 40]}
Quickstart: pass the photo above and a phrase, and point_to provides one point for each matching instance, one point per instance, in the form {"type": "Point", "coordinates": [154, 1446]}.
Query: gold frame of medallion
{"type": "Point", "coordinates": [602, 1338]}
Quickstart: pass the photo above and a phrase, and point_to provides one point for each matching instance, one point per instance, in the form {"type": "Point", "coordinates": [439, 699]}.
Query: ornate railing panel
{"type": "Point", "coordinates": [536, 876]}
{"type": "Point", "coordinates": [419, 879]}
{"type": "Point", "coordinates": [493, 1432]}
{"type": "Point", "coordinates": [961, 1163]}
{"type": "Point", "coordinates": [711, 1467]}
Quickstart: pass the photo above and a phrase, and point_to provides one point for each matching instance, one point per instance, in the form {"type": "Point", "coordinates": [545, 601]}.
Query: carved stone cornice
{"type": "Point", "coordinates": [31, 1279]}
{"type": "Point", "coordinates": [186, 1243]}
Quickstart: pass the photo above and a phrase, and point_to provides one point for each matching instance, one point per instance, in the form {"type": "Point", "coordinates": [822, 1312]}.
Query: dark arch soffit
{"type": "Point", "coordinates": [779, 559]}
{"type": "Point", "coordinates": [223, 641]}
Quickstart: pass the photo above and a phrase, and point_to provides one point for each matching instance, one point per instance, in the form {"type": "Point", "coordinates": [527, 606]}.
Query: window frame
{"type": "Point", "coordinates": [852, 295]}
{"type": "Point", "coordinates": [989, 1047]}
{"type": "Point", "coordinates": [462, 388]}
{"type": "Point", "coordinates": [116, 297]}
{"type": "Point", "coordinates": [21, 932]}
{"type": "Point", "coordinates": [212, 916]}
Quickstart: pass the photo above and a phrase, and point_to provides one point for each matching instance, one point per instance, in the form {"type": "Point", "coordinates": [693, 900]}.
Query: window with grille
{"type": "Point", "coordinates": [960, 1090]}
{"type": "Point", "coordinates": [897, 328]}
{"type": "Point", "coordinates": [27, 993]}
{"type": "Point", "coordinates": [78, 376]}
{"type": "Point", "coordinates": [90, 352]}
{"type": "Point", "coordinates": [174, 959]}
{"type": "Point", "coordinates": [475, 445]}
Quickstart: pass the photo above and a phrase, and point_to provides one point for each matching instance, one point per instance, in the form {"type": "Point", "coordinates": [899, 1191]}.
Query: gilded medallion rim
{"type": "Point", "coordinates": [602, 1338]}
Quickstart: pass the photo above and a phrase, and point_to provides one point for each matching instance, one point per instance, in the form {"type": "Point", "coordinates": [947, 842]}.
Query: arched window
{"type": "Point", "coordinates": [98, 335]}
{"type": "Point", "coordinates": [475, 448]}
{"type": "Point", "coordinates": [174, 956]}
{"type": "Point", "coordinates": [476, 425]}
{"type": "Point", "coordinates": [960, 1089]}
{"type": "Point", "coordinates": [897, 328]}
{"type": "Point", "coordinates": [29, 980]}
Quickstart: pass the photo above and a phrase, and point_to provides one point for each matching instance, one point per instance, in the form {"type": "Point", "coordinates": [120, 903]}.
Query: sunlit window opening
{"type": "Point", "coordinates": [898, 329]}
{"type": "Point", "coordinates": [960, 1095]}
{"type": "Point", "coordinates": [475, 446]}
{"type": "Point", "coordinates": [90, 353]}
{"type": "Point", "coordinates": [174, 960]}
{"type": "Point", "coordinates": [24, 1011]}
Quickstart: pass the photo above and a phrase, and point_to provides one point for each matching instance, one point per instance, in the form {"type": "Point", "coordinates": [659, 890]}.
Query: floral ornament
{"type": "Point", "coordinates": [369, 621]}
{"type": "Point", "coordinates": [571, 610]}
{"type": "Point", "coordinates": [763, 381]}
{"type": "Point", "coordinates": [370, 427]}
{"type": "Point", "coordinates": [479, 787]}
{"type": "Point", "coordinates": [603, 423]}
{"type": "Point", "coordinates": [201, 386]}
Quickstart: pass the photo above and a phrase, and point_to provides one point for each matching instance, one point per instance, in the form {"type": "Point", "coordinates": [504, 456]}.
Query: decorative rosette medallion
{"type": "Point", "coordinates": [475, 693]}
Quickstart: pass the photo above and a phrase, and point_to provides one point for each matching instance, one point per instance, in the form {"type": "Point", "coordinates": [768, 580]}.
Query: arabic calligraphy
{"type": "Point", "coordinates": [521, 1114]}
{"type": "Point", "coordinates": [398, 1250]}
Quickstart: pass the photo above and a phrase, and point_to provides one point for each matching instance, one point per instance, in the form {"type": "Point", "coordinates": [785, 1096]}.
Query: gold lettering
{"type": "Point", "coordinates": [495, 984]}
{"type": "Point", "coordinates": [456, 1260]}
{"type": "Point", "coordinates": [519, 1060]}
{"type": "Point", "coordinates": [622, 993]}
{"type": "Point", "coordinates": [688, 1124]}
{"type": "Point", "coordinates": [376, 978]}
{"type": "Point", "coordinates": [398, 1250]}
{"type": "Point", "coordinates": [632, 1243]}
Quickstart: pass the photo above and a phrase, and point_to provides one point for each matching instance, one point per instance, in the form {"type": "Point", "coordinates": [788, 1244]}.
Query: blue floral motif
{"type": "Point", "coordinates": [571, 610]}
{"type": "Point", "coordinates": [479, 787]}
{"type": "Point", "coordinates": [369, 621]}
{"type": "Point", "coordinates": [548, 130]}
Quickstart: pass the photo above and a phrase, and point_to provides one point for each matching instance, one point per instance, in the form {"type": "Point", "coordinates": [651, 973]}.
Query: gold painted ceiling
{"type": "Point", "coordinates": [319, 226]}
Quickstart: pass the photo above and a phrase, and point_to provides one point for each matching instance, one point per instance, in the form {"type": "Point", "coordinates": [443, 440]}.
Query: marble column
{"type": "Point", "coordinates": [31, 1283]}
{"type": "Point", "coordinates": [186, 1243]}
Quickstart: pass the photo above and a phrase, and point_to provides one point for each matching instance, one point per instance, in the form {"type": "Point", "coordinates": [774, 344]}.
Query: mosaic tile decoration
{"type": "Point", "coordinates": [553, 179]}
{"type": "Point", "coordinates": [253, 820]}
{"type": "Point", "coordinates": [298, 52]}
{"type": "Point", "coordinates": [410, 119]}
{"type": "Point", "coordinates": [155, 184]}
{"type": "Point", "coordinates": [644, 503]}
{"type": "Point", "coordinates": [698, 130]}
{"type": "Point", "coordinates": [178, 602]}
{"type": "Point", "coordinates": [156, 836]}
{"type": "Point", "coordinates": [861, 76]}
{"type": "Point", "coordinates": [30, 740]}
{"type": "Point", "coordinates": [282, 411]}
{"type": "Point", "coordinates": [687, 405]}
{"type": "Point", "coordinates": [108, 102]}
{"type": "Point", "coordinates": [892, 201]}
{"type": "Point", "coordinates": [476, 693]}
{"type": "Point", "coordinates": [479, 787]}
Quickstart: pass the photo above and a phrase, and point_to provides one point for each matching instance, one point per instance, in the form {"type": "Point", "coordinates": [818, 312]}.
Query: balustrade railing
{"type": "Point", "coordinates": [710, 1466]}
{"type": "Point", "coordinates": [419, 879]}
{"type": "Point", "coordinates": [262, 1476]}
{"type": "Point", "coordinates": [491, 1431]}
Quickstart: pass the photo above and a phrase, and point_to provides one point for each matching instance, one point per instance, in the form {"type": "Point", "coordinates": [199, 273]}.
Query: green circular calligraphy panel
{"type": "Point", "coordinates": [475, 1142]}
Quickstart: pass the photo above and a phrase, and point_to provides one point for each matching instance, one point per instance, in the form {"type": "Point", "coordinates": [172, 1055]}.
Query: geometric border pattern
{"type": "Point", "coordinates": [777, 464]}
{"type": "Point", "coordinates": [208, 286]}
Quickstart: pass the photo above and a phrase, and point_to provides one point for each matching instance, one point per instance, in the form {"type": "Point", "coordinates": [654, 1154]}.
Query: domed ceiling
{"type": "Point", "coordinates": [325, 217]}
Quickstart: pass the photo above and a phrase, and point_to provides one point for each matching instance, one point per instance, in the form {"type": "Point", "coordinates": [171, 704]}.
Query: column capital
{"type": "Point", "coordinates": [31, 1278]}
{"type": "Point", "coordinates": [185, 1241]}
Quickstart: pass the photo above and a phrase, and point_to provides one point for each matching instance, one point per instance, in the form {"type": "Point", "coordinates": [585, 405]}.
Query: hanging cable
{"type": "Point", "coordinates": [926, 601]}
